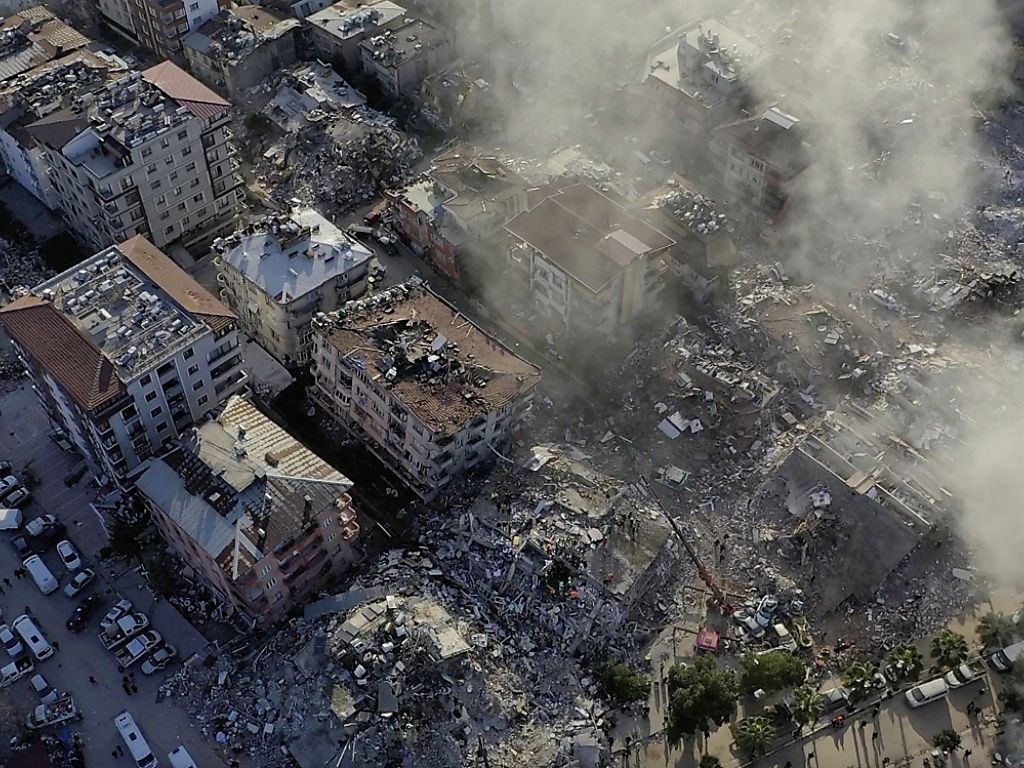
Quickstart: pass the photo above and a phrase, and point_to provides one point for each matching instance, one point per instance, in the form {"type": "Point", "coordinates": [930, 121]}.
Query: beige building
{"type": "Point", "coordinates": [337, 31]}
{"type": "Point", "coordinates": [126, 353]}
{"type": "Point", "coordinates": [147, 154]}
{"type": "Point", "coordinates": [400, 59]}
{"type": "Point", "coordinates": [158, 25]}
{"type": "Point", "coordinates": [279, 271]}
{"type": "Point", "coordinates": [266, 521]}
{"type": "Point", "coordinates": [431, 393]}
{"type": "Point", "coordinates": [590, 265]}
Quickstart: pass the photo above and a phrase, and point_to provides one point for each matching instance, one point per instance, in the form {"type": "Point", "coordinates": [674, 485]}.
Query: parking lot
{"type": "Point", "coordinates": [79, 657]}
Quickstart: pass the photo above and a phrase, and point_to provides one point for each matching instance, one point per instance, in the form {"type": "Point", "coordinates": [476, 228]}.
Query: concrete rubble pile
{"type": "Point", "coordinates": [696, 211]}
{"type": "Point", "coordinates": [21, 267]}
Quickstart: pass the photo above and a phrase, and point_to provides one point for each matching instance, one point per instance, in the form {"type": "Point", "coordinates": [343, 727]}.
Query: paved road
{"type": "Point", "coordinates": [23, 440]}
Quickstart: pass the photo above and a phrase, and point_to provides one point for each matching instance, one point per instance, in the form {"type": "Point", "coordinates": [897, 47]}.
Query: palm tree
{"type": "Point", "coordinates": [754, 735]}
{"type": "Point", "coordinates": [995, 630]}
{"type": "Point", "coordinates": [860, 679]}
{"type": "Point", "coordinates": [808, 704]}
{"type": "Point", "coordinates": [949, 649]}
{"type": "Point", "coordinates": [905, 663]}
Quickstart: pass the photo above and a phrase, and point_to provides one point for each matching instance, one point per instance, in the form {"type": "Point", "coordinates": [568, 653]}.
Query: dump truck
{"type": "Point", "coordinates": [123, 629]}
{"type": "Point", "coordinates": [63, 710]}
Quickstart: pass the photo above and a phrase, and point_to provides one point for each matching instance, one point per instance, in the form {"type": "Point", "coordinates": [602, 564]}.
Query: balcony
{"type": "Point", "coordinates": [231, 384]}
{"type": "Point", "coordinates": [221, 352]}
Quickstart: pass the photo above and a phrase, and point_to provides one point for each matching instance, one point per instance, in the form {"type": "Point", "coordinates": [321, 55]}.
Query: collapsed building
{"type": "Point", "coordinates": [32, 37]}
{"type": "Point", "coordinates": [460, 98]}
{"type": "Point", "coordinates": [310, 94]}
{"type": "Point", "coordinates": [430, 392]}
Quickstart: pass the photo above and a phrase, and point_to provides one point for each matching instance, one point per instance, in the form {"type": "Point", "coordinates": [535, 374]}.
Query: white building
{"type": "Point", "coordinates": [337, 31]}
{"type": "Point", "coordinates": [126, 352]}
{"type": "Point", "coordinates": [278, 272]}
{"type": "Point", "coordinates": [147, 154]}
{"type": "Point", "coordinates": [430, 392]}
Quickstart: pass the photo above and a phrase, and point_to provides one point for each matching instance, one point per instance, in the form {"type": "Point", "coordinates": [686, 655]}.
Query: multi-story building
{"type": "Point", "coordinates": [147, 154]}
{"type": "Point", "coordinates": [698, 76]}
{"type": "Point", "coordinates": [462, 204]}
{"type": "Point", "coordinates": [279, 271]}
{"type": "Point", "coordinates": [430, 392]}
{"type": "Point", "coordinates": [760, 159]}
{"type": "Point", "coordinates": [263, 519]}
{"type": "Point", "coordinates": [33, 95]}
{"type": "Point", "coordinates": [401, 58]}
{"type": "Point", "coordinates": [459, 98]}
{"type": "Point", "coordinates": [591, 266]}
{"type": "Point", "coordinates": [336, 32]}
{"type": "Point", "coordinates": [158, 25]}
{"type": "Point", "coordinates": [34, 36]}
{"type": "Point", "coordinates": [308, 94]}
{"type": "Point", "coordinates": [126, 352]}
{"type": "Point", "coordinates": [241, 47]}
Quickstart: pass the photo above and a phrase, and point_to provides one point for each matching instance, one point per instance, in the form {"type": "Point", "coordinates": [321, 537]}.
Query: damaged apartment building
{"type": "Point", "coordinates": [336, 32]}
{"type": "Point", "coordinates": [589, 264]}
{"type": "Point", "coordinates": [147, 154]}
{"type": "Point", "coordinates": [34, 36]}
{"type": "Point", "coordinates": [400, 59]}
{"type": "Point", "coordinates": [279, 271]}
{"type": "Point", "coordinates": [430, 392]}
{"type": "Point", "coordinates": [240, 48]}
{"type": "Point", "coordinates": [460, 206]}
{"type": "Point", "coordinates": [263, 519]}
{"type": "Point", "coordinates": [157, 25]}
{"type": "Point", "coordinates": [126, 352]}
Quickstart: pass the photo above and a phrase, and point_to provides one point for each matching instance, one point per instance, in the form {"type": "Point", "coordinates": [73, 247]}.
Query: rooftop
{"type": "Point", "coordinates": [291, 255]}
{"type": "Point", "coordinates": [310, 94]}
{"type": "Point", "coordinates": [442, 366]}
{"type": "Point", "coordinates": [775, 137]}
{"type": "Point", "coordinates": [457, 87]}
{"type": "Point", "coordinates": [232, 35]}
{"type": "Point", "coordinates": [393, 47]}
{"type": "Point", "coordinates": [242, 486]}
{"type": "Point", "coordinates": [587, 235]}
{"type": "Point", "coordinates": [32, 37]}
{"type": "Point", "coordinates": [345, 22]}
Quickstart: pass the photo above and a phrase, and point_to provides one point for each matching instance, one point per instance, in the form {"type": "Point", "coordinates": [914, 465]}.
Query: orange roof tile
{"type": "Point", "coordinates": [182, 87]}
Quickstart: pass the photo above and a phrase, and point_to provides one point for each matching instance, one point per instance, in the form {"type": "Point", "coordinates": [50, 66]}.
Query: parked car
{"type": "Point", "coordinates": [47, 693]}
{"type": "Point", "coordinates": [37, 525]}
{"type": "Point", "coordinates": [159, 659]}
{"type": "Point", "coordinates": [966, 673]}
{"type": "Point", "coordinates": [121, 608]}
{"type": "Point", "coordinates": [10, 643]}
{"type": "Point", "coordinates": [124, 628]}
{"type": "Point", "coordinates": [46, 539]}
{"type": "Point", "coordinates": [80, 616]}
{"type": "Point", "coordinates": [1003, 659]}
{"type": "Point", "coordinates": [79, 581]}
{"type": "Point", "coordinates": [69, 555]}
{"type": "Point", "coordinates": [136, 649]}
{"type": "Point", "coordinates": [5, 467]}
{"type": "Point", "coordinates": [75, 474]}
{"type": "Point", "coordinates": [21, 546]}
{"type": "Point", "coordinates": [8, 484]}
{"type": "Point", "coordinates": [925, 693]}
{"type": "Point", "coordinates": [16, 670]}
{"type": "Point", "coordinates": [16, 497]}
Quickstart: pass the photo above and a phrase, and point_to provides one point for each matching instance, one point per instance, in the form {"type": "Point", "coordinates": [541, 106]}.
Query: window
{"type": "Point", "coordinates": [193, 6]}
{"type": "Point", "coordinates": [194, 182]}
{"type": "Point", "coordinates": [177, 191]}
{"type": "Point", "coordinates": [190, 352]}
{"type": "Point", "coordinates": [150, 397]}
{"type": "Point", "coordinates": [174, 175]}
{"type": "Point", "coordinates": [278, 597]}
{"type": "Point", "coordinates": [169, 160]}
{"type": "Point", "coordinates": [165, 215]}
{"type": "Point", "coordinates": [151, 169]}
{"type": "Point", "coordinates": [184, 134]}
{"type": "Point", "coordinates": [147, 151]}
{"type": "Point", "coordinates": [181, 206]}
{"type": "Point", "coordinates": [190, 167]}
{"type": "Point", "coordinates": [186, 151]}
{"type": "Point", "coordinates": [193, 370]}
{"type": "Point", "coordinates": [156, 411]}
{"type": "Point", "coordinates": [162, 200]}
{"type": "Point", "coordinates": [198, 198]}
{"type": "Point", "coordinates": [156, 184]}
{"type": "Point", "coordinates": [146, 380]}
{"type": "Point", "coordinates": [162, 426]}
{"type": "Point", "coordinates": [202, 400]}
{"type": "Point", "coordinates": [271, 584]}
{"type": "Point", "coordinates": [169, 230]}
{"type": "Point", "coordinates": [265, 570]}
{"type": "Point", "coordinates": [197, 385]}
{"type": "Point", "coordinates": [165, 143]}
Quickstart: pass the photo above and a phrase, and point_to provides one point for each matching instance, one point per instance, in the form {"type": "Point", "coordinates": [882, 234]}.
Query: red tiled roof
{"type": "Point", "coordinates": [181, 287]}
{"type": "Point", "coordinates": [62, 351]}
{"type": "Point", "coordinates": [185, 89]}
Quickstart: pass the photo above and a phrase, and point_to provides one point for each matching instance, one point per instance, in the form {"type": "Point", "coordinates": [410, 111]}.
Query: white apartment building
{"type": "Point", "coordinates": [279, 271]}
{"type": "Point", "coordinates": [337, 31]}
{"type": "Point", "coordinates": [126, 352]}
{"type": "Point", "coordinates": [430, 392]}
{"type": "Point", "coordinates": [147, 154]}
{"type": "Point", "coordinates": [159, 25]}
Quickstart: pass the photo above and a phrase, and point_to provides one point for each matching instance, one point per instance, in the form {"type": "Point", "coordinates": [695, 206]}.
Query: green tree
{"type": "Point", "coordinates": [709, 761]}
{"type": "Point", "coordinates": [949, 649]}
{"type": "Point", "coordinates": [754, 735]}
{"type": "Point", "coordinates": [623, 685]}
{"type": "Point", "coordinates": [1012, 694]}
{"type": "Point", "coordinates": [126, 526]}
{"type": "Point", "coordinates": [808, 704]}
{"type": "Point", "coordinates": [701, 696]}
{"type": "Point", "coordinates": [905, 663]}
{"type": "Point", "coordinates": [947, 740]}
{"type": "Point", "coordinates": [859, 678]}
{"type": "Point", "coordinates": [995, 630]}
{"type": "Point", "coordinates": [773, 671]}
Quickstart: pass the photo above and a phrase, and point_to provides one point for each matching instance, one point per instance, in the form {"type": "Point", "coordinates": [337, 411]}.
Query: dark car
{"type": "Point", "coordinates": [80, 616]}
{"type": "Point", "coordinates": [48, 537]}
{"type": "Point", "coordinates": [22, 547]}
{"type": "Point", "coordinates": [75, 474]}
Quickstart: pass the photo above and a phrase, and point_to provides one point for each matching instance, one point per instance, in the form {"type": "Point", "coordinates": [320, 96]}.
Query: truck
{"type": "Point", "coordinates": [122, 629]}
{"type": "Point", "coordinates": [16, 670]}
{"type": "Point", "coordinates": [136, 649]}
{"type": "Point", "coordinates": [63, 710]}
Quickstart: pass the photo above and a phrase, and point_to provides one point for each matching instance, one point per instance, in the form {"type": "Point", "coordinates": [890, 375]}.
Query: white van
{"type": "Point", "coordinates": [40, 574]}
{"type": "Point", "coordinates": [1003, 659]}
{"type": "Point", "coordinates": [180, 758]}
{"type": "Point", "coordinates": [925, 693]}
{"type": "Point", "coordinates": [33, 637]}
{"type": "Point", "coordinates": [133, 739]}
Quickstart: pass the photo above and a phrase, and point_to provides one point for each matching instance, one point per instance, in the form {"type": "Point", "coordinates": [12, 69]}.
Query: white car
{"type": "Point", "coordinates": [159, 659]}
{"type": "Point", "coordinates": [8, 484]}
{"type": "Point", "coordinates": [79, 581]}
{"type": "Point", "coordinates": [121, 609]}
{"type": "Point", "coordinates": [47, 693]}
{"type": "Point", "coordinates": [10, 643]}
{"type": "Point", "coordinates": [69, 555]}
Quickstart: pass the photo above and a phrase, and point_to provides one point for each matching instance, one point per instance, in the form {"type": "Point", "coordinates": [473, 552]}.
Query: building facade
{"type": "Point", "coordinates": [263, 519]}
{"type": "Point", "coordinates": [147, 154]}
{"type": "Point", "coordinates": [279, 272]}
{"type": "Point", "coordinates": [126, 353]}
{"type": "Point", "coordinates": [158, 25]}
{"type": "Point", "coordinates": [431, 393]}
{"type": "Point", "coordinates": [337, 31]}
{"type": "Point", "coordinates": [401, 58]}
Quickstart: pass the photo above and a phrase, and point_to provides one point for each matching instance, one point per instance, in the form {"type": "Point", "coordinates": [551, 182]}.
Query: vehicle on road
{"type": "Point", "coordinates": [62, 710]}
{"type": "Point", "coordinates": [136, 649]}
{"type": "Point", "coordinates": [121, 608]}
{"type": "Point", "coordinates": [10, 643]}
{"type": "Point", "coordinates": [47, 693]}
{"type": "Point", "coordinates": [69, 555]}
{"type": "Point", "coordinates": [180, 758]}
{"type": "Point", "coordinates": [40, 574]}
{"type": "Point", "coordinates": [39, 524]}
{"type": "Point", "coordinates": [1003, 659]}
{"type": "Point", "coordinates": [80, 616]}
{"type": "Point", "coordinates": [16, 497]}
{"type": "Point", "coordinates": [79, 581]}
{"type": "Point", "coordinates": [21, 546]}
{"type": "Point", "coordinates": [33, 637]}
{"type": "Point", "coordinates": [123, 629]}
{"type": "Point", "coordinates": [16, 670]}
{"type": "Point", "coordinates": [966, 673]}
{"type": "Point", "coordinates": [159, 659]}
{"type": "Point", "coordinates": [135, 741]}
{"type": "Point", "coordinates": [925, 693]}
